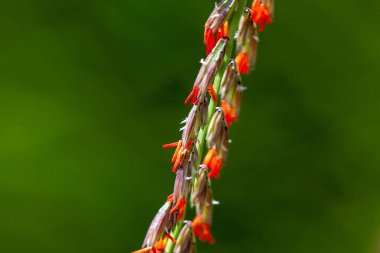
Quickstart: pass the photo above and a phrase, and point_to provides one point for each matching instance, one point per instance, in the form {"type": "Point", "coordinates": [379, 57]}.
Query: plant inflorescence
{"type": "Point", "coordinates": [231, 39]}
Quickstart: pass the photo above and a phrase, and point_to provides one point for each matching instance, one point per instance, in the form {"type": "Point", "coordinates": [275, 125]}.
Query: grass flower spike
{"type": "Point", "coordinates": [215, 100]}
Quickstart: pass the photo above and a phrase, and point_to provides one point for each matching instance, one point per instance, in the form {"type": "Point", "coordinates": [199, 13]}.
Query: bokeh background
{"type": "Point", "coordinates": [90, 89]}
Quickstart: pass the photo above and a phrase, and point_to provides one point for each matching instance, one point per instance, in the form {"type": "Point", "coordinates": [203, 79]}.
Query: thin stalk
{"type": "Point", "coordinates": [170, 245]}
{"type": "Point", "coordinates": [212, 106]}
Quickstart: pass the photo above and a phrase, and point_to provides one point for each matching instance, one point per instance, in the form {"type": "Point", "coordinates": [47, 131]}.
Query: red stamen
{"type": "Point", "coordinates": [213, 163]}
{"type": "Point", "coordinates": [190, 97]}
{"type": "Point", "coordinates": [181, 206]}
{"type": "Point", "coordinates": [209, 40]}
{"type": "Point", "coordinates": [145, 250]}
{"type": "Point", "coordinates": [160, 245]}
{"type": "Point", "coordinates": [193, 96]}
{"type": "Point", "coordinates": [197, 225]}
{"type": "Point", "coordinates": [216, 167]}
{"type": "Point", "coordinates": [170, 145]}
{"type": "Point", "coordinates": [242, 63]}
{"type": "Point", "coordinates": [170, 238]}
{"type": "Point", "coordinates": [222, 31]}
{"type": "Point", "coordinates": [260, 15]}
{"type": "Point", "coordinates": [194, 101]}
{"type": "Point", "coordinates": [178, 161]}
{"type": "Point", "coordinates": [202, 230]}
{"type": "Point", "coordinates": [176, 152]}
{"type": "Point", "coordinates": [229, 113]}
{"type": "Point", "coordinates": [209, 157]}
{"type": "Point", "coordinates": [181, 212]}
{"type": "Point", "coordinates": [212, 93]}
{"type": "Point", "coordinates": [209, 37]}
{"type": "Point", "coordinates": [206, 234]}
{"type": "Point", "coordinates": [188, 145]}
{"type": "Point", "coordinates": [170, 198]}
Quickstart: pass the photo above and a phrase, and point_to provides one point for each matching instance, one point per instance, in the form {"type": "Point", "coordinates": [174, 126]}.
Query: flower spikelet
{"type": "Point", "coordinates": [203, 219]}
{"type": "Point", "coordinates": [217, 133]}
{"type": "Point", "coordinates": [246, 43]}
{"type": "Point", "coordinates": [216, 26]}
{"type": "Point", "coordinates": [186, 240]}
{"type": "Point", "coordinates": [231, 93]}
{"type": "Point", "coordinates": [207, 72]}
{"type": "Point", "coordinates": [159, 225]}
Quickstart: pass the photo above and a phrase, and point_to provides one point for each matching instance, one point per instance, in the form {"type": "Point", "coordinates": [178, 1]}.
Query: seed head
{"type": "Point", "coordinates": [200, 187]}
{"type": "Point", "coordinates": [203, 219]}
{"type": "Point", "coordinates": [246, 43]}
{"type": "Point", "coordinates": [207, 72]}
{"type": "Point", "coordinates": [190, 175]}
{"type": "Point", "coordinates": [217, 24]}
{"type": "Point", "coordinates": [194, 121]}
{"type": "Point", "coordinates": [184, 175]}
{"type": "Point", "coordinates": [158, 226]}
{"type": "Point", "coordinates": [217, 133]}
{"type": "Point", "coordinates": [202, 195]}
{"type": "Point", "coordinates": [221, 13]}
{"type": "Point", "coordinates": [231, 92]}
{"type": "Point", "coordinates": [189, 131]}
{"type": "Point", "coordinates": [230, 81]}
{"type": "Point", "coordinates": [186, 240]}
{"type": "Point", "coordinates": [178, 186]}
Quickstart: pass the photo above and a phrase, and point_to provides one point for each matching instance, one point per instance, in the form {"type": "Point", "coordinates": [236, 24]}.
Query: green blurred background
{"type": "Point", "coordinates": [90, 89]}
